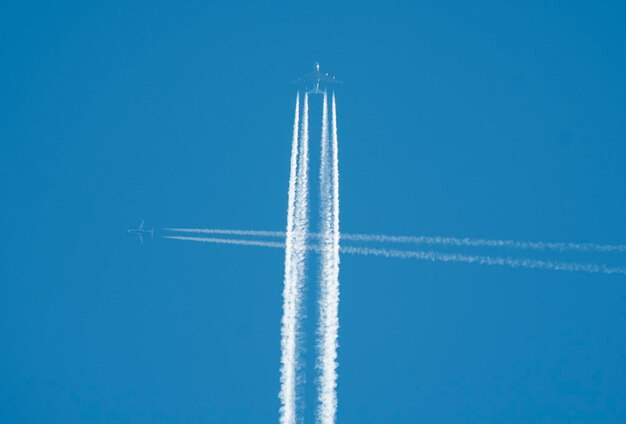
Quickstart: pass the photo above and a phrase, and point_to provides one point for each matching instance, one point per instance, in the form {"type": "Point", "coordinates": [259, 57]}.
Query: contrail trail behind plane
{"type": "Point", "coordinates": [289, 324]}
{"type": "Point", "coordinates": [426, 255]}
{"type": "Point", "coordinates": [300, 239]}
{"type": "Point", "coordinates": [297, 241]}
{"type": "Point", "coordinates": [236, 242]}
{"type": "Point", "coordinates": [329, 290]}
{"type": "Point", "coordinates": [328, 295]}
{"type": "Point", "coordinates": [429, 240]}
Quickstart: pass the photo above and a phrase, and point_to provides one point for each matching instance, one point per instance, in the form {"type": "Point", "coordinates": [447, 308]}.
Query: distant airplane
{"type": "Point", "coordinates": [315, 78]}
{"type": "Point", "coordinates": [140, 231]}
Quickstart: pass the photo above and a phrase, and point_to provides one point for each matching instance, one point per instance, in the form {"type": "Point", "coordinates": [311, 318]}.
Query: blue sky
{"type": "Point", "coordinates": [490, 120]}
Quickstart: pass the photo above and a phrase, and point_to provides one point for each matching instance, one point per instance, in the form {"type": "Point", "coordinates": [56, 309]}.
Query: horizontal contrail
{"type": "Point", "coordinates": [434, 256]}
{"type": "Point", "coordinates": [432, 240]}
{"type": "Point", "coordinates": [252, 233]}
{"type": "Point", "coordinates": [276, 244]}
{"type": "Point", "coordinates": [488, 260]}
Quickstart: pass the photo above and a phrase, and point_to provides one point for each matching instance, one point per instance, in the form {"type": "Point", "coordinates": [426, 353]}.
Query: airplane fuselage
{"type": "Point", "coordinates": [137, 231]}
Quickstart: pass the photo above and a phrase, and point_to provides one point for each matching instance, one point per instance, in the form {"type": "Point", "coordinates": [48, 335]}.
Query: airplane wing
{"type": "Point", "coordinates": [141, 225]}
{"type": "Point", "coordinates": [141, 238]}
{"type": "Point", "coordinates": [329, 78]}
{"type": "Point", "coordinates": [309, 76]}
{"type": "Point", "coordinates": [316, 76]}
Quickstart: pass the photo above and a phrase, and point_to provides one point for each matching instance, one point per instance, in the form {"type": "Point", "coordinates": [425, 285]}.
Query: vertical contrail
{"type": "Point", "coordinates": [289, 324]}
{"type": "Point", "coordinates": [326, 266]}
{"type": "Point", "coordinates": [334, 286]}
{"type": "Point", "coordinates": [301, 228]}
{"type": "Point", "coordinates": [329, 290]}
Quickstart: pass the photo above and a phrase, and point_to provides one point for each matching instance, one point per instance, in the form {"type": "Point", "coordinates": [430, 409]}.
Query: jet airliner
{"type": "Point", "coordinates": [140, 231]}
{"type": "Point", "coordinates": [315, 78]}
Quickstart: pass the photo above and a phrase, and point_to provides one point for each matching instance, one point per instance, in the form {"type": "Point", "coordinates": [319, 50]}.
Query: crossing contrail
{"type": "Point", "coordinates": [289, 322]}
{"type": "Point", "coordinates": [429, 240]}
{"type": "Point", "coordinates": [431, 256]}
{"type": "Point", "coordinates": [297, 241]}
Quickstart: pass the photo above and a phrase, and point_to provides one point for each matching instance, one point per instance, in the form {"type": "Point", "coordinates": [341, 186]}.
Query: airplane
{"type": "Point", "coordinates": [140, 231]}
{"type": "Point", "coordinates": [317, 77]}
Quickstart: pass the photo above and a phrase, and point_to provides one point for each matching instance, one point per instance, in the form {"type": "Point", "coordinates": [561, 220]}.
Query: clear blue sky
{"type": "Point", "coordinates": [485, 120]}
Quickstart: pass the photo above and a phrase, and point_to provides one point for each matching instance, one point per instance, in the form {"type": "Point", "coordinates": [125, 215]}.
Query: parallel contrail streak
{"type": "Point", "coordinates": [275, 244]}
{"type": "Point", "coordinates": [431, 240]}
{"type": "Point", "coordinates": [289, 322]}
{"type": "Point", "coordinates": [511, 244]}
{"type": "Point", "coordinates": [326, 331]}
{"type": "Point", "coordinates": [435, 256]}
{"type": "Point", "coordinates": [488, 260]}
{"type": "Point", "coordinates": [301, 228]}
{"type": "Point", "coordinates": [252, 233]}
{"type": "Point", "coordinates": [331, 318]}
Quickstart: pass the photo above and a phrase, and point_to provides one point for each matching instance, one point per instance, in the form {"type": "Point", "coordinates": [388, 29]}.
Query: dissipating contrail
{"type": "Point", "coordinates": [427, 240]}
{"type": "Point", "coordinates": [431, 256]}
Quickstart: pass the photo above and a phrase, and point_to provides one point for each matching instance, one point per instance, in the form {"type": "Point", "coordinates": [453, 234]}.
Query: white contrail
{"type": "Point", "coordinates": [289, 322]}
{"type": "Point", "coordinates": [253, 233]}
{"type": "Point", "coordinates": [432, 240]}
{"type": "Point", "coordinates": [431, 256]}
{"type": "Point", "coordinates": [276, 244]}
{"type": "Point", "coordinates": [488, 260]}
{"type": "Point", "coordinates": [474, 242]}
{"type": "Point", "coordinates": [326, 351]}
{"type": "Point", "coordinates": [300, 236]}
{"type": "Point", "coordinates": [329, 306]}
